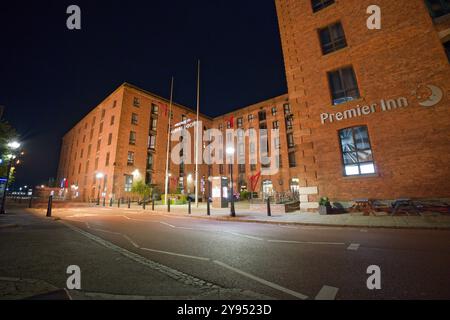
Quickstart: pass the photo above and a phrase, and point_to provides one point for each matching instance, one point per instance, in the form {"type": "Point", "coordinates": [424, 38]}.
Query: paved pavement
{"type": "Point", "coordinates": [280, 261]}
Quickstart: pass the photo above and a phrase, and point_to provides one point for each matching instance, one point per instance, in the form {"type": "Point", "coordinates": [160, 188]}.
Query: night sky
{"type": "Point", "coordinates": [50, 77]}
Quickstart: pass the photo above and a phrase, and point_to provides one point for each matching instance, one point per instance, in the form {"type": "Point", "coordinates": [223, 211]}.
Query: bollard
{"type": "Point", "coordinates": [49, 206]}
{"type": "Point", "coordinates": [153, 204]}
{"type": "Point", "coordinates": [208, 208]}
{"type": "Point", "coordinates": [168, 204]}
{"type": "Point", "coordinates": [104, 201]}
{"type": "Point", "coordinates": [129, 203]}
{"type": "Point", "coordinates": [30, 204]}
{"type": "Point", "coordinates": [189, 206]}
{"type": "Point", "coordinates": [111, 202]}
{"type": "Point", "coordinates": [143, 204]}
{"type": "Point", "coordinates": [118, 203]}
{"type": "Point", "coordinates": [269, 211]}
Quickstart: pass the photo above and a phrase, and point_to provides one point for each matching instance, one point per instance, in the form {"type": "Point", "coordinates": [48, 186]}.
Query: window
{"type": "Point", "coordinates": [277, 143]}
{"type": "Point", "coordinates": [221, 171]}
{"type": "Point", "coordinates": [447, 49]}
{"type": "Point", "coordinates": [228, 124]}
{"type": "Point", "coordinates": [251, 117]}
{"type": "Point", "coordinates": [253, 167]}
{"type": "Point", "coordinates": [318, 5]}
{"type": "Point", "coordinates": [84, 138]}
{"type": "Point", "coordinates": [109, 139]}
{"type": "Point", "coordinates": [96, 164]}
{"type": "Point", "coordinates": [112, 120]}
{"type": "Point", "coordinates": [134, 119]}
{"type": "Point", "coordinates": [89, 150]}
{"type": "Point", "coordinates": [155, 109]}
{"type": "Point", "coordinates": [290, 140]}
{"type": "Point", "coordinates": [292, 161]}
{"type": "Point", "coordinates": [79, 168]}
{"type": "Point", "coordinates": [274, 111]}
{"type": "Point", "coordinates": [136, 102]}
{"type": "Point", "coordinates": [242, 168]}
{"type": "Point", "coordinates": [82, 153]}
{"type": "Point", "coordinates": [220, 127]}
{"type": "Point", "coordinates": [276, 124]}
{"type": "Point", "coordinates": [100, 131]}
{"type": "Point", "coordinates": [181, 168]}
{"type": "Point", "coordinates": [99, 144]}
{"type": "Point", "coordinates": [289, 123]}
{"type": "Point", "coordinates": [356, 151]}
{"type": "Point", "coordinates": [132, 138]}
{"type": "Point", "coordinates": [128, 183]}
{"type": "Point", "coordinates": [87, 167]}
{"type": "Point", "coordinates": [332, 38]}
{"type": "Point", "coordinates": [107, 159]}
{"type": "Point", "coordinates": [130, 160]}
{"type": "Point", "coordinates": [154, 124]}
{"type": "Point", "coordinates": [103, 114]}
{"type": "Point", "coordinates": [343, 85]}
{"type": "Point", "coordinates": [91, 134]}
{"type": "Point", "coordinates": [240, 122]}
{"type": "Point", "coordinates": [262, 116]}
{"type": "Point", "coordinates": [438, 8]}
{"type": "Point", "coordinates": [151, 142]}
{"type": "Point", "coordinates": [150, 161]}
{"type": "Point", "coordinates": [287, 108]}
{"type": "Point", "coordinates": [114, 104]}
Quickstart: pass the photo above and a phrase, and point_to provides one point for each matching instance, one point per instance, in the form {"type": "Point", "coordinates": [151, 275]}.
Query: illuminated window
{"type": "Point", "coordinates": [155, 109]}
{"type": "Point", "coordinates": [136, 102]}
{"type": "Point", "coordinates": [292, 160]}
{"type": "Point", "coordinates": [134, 119]}
{"type": "Point", "coordinates": [274, 111]}
{"type": "Point", "coordinates": [132, 140]}
{"type": "Point", "coordinates": [356, 151]}
{"type": "Point", "coordinates": [130, 160]}
{"type": "Point", "coordinates": [251, 117]}
{"type": "Point", "coordinates": [128, 183]}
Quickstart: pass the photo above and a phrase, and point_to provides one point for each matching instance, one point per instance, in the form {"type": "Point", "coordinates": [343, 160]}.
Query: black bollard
{"type": "Point", "coordinates": [111, 202]}
{"type": "Point", "coordinates": [168, 204]}
{"type": "Point", "coordinates": [30, 204]}
{"type": "Point", "coordinates": [143, 204]}
{"type": "Point", "coordinates": [208, 208]}
{"type": "Point", "coordinates": [49, 206]}
{"type": "Point", "coordinates": [129, 203]}
{"type": "Point", "coordinates": [269, 211]}
{"type": "Point", "coordinates": [118, 203]}
{"type": "Point", "coordinates": [189, 206]}
{"type": "Point", "coordinates": [153, 204]}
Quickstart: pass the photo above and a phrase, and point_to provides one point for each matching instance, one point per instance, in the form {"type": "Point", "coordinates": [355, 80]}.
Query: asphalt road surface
{"type": "Point", "coordinates": [282, 261]}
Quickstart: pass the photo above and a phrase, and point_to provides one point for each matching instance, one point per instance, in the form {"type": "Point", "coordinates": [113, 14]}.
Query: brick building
{"type": "Point", "coordinates": [373, 104]}
{"type": "Point", "coordinates": [366, 115]}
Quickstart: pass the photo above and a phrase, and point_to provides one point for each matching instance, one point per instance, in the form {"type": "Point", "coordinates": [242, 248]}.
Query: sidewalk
{"type": "Point", "coordinates": [358, 220]}
{"type": "Point", "coordinates": [35, 254]}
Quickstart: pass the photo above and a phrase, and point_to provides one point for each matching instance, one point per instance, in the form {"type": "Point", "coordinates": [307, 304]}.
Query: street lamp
{"type": "Point", "coordinates": [13, 146]}
{"type": "Point", "coordinates": [230, 152]}
{"type": "Point", "coordinates": [99, 176]}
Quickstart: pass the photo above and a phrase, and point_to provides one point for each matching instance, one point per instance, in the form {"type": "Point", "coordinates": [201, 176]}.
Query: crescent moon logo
{"type": "Point", "coordinates": [429, 97]}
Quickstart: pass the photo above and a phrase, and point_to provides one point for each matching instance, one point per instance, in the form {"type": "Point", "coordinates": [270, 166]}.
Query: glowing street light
{"type": "Point", "coordinates": [230, 151]}
{"type": "Point", "coordinates": [12, 146]}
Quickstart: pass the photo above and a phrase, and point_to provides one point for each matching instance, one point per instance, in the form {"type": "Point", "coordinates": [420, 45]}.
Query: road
{"type": "Point", "coordinates": [282, 261]}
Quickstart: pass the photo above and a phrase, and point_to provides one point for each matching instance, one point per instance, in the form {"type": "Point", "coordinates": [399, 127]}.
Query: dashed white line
{"type": "Point", "coordinates": [265, 282]}
{"type": "Point", "coordinates": [244, 236]}
{"type": "Point", "coordinates": [353, 247]}
{"type": "Point", "coordinates": [308, 242]}
{"type": "Point", "coordinates": [176, 254]}
{"type": "Point", "coordinates": [327, 293]}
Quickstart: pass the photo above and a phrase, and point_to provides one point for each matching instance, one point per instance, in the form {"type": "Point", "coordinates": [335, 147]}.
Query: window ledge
{"type": "Point", "coordinates": [363, 176]}
{"type": "Point", "coordinates": [335, 52]}
{"type": "Point", "coordinates": [441, 19]}
{"type": "Point", "coordinates": [346, 103]}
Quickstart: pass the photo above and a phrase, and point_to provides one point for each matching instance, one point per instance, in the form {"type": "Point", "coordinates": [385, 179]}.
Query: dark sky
{"type": "Point", "coordinates": [50, 77]}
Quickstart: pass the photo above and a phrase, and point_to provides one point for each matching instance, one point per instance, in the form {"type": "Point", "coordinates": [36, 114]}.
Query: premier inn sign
{"type": "Point", "coordinates": [359, 111]}
{"type": "Point", "coordinates": [427, 96]}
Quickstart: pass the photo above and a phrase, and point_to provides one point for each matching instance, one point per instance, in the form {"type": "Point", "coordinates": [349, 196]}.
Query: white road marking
{"type": "Point", "coordinates": [131, 241]}
{"type": "Point", "coordinates": [327, 293]}
{"type": "Point", "coordinates": [308, 242]}
{"type": "Point", "coordinates": [244, 235]}
{"type": "Point", "coordinates": [265, 282]}
{"type": "Point", "coordinates": [176, 254]}
{"type": "Point", "coordinates": [287, 227]}
{"type": "Point", "coordinates": [167, 224]}
{"type": "Point", "coordinates": [364, 230]}
{"type": "Point", "coordinates": [353, 247]}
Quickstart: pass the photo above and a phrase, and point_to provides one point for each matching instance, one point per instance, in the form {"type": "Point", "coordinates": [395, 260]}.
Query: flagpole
{"type": "Point", "coordinates": [166, 189]}
{"type": "Point", "coordinates": [197, 134]}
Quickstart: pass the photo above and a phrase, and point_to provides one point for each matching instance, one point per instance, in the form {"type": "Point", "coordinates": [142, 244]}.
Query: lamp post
{"type": "Point", "coordinates": [12, 146]}
{"type": "Point", "coordinates": [99, 176]}
{"type": "Point", "coordinates": [230, 153]}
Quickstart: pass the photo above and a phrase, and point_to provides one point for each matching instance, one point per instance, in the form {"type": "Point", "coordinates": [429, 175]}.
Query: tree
{"type": "Point", "coordinates": [141, 188]}
{"type": "Point", "coordinates": [7, 134]}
